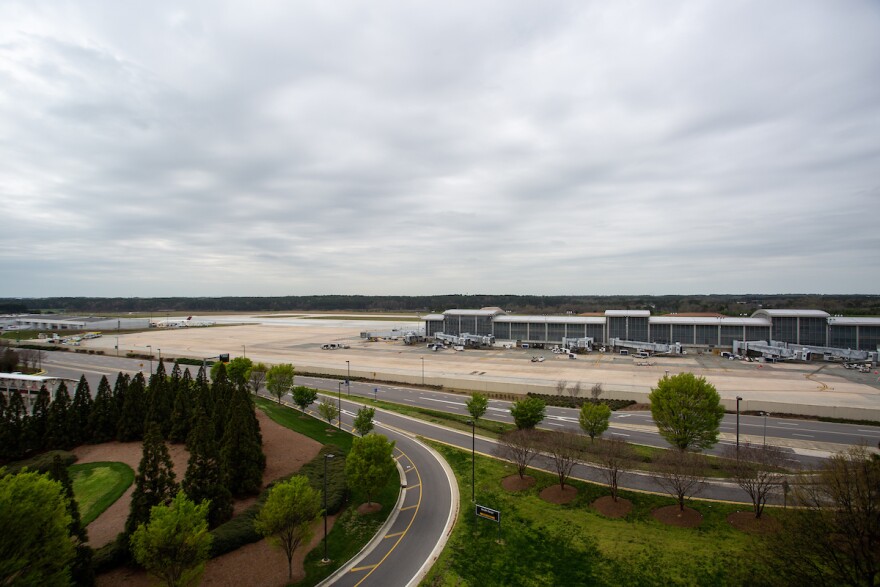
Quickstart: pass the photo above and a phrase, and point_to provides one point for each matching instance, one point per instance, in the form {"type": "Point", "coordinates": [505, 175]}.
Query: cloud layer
{"type": "Point", "coordinates": [278, 148]}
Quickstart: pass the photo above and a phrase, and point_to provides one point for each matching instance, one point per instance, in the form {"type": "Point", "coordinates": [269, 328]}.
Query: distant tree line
{"type": "Point", "coordinates": [728, 304]}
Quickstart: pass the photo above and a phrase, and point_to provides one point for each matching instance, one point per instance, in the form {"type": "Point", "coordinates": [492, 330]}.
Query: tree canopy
{"type": "Point", "coordinates": [687, 410]}
{"type": "Point", "coordinates": [370, 463]}
{"type": "Point", "coordinates": [477, 405]}
{"type": "Point", "coordinates": [594, 419]}
{"type": "Point", "coordinates": [287, 516]}
{"type": "Point", "coordinates": [527, 412]}
{"type": "Point", "coordinates": [279, 380]}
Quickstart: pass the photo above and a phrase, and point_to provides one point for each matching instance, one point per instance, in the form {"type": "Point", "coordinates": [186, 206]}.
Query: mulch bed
{"type": "Point", "coordinates": [369, 508]}
{"type": "Point", "coordinates": [672, 516]}
{"type": "Point", "coordinates": [748, 523]}
{"type": "Point", "coordinates": [515, 483]}
{"type": "Point", "coordinates": [609, 508]}
{"type": "Point", "coordinates": [554, 494]}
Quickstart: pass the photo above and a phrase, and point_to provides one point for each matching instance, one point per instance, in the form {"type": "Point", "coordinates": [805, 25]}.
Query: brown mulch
{"type": "Point", "coordinates": [370, 507]}
{"type": "Point", "coordinates": [609, 508]}
{"type": "Point", "coordinates": [748, 523]}
{"type": "Point", "coordinates": [673, 516]}
{"type": "Point", "coordinates": [517, 483]}
{"type": "Point", "coordinates": [554, 494]}
{"type": "Point", "coordinates": [286, 451]}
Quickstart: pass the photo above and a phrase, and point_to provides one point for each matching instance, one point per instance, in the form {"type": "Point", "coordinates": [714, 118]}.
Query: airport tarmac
{"type": "Point", "coordinates": [808, 389]}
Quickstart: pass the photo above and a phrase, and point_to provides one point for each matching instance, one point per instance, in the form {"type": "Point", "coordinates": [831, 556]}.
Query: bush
{"type": "Point", "coordinates": [41, 463]}
{"type": "Point", "coordinates": [112, 555]}
{"type": "Point", "coordinates": [240, 531]}
{"type": "Point", "coordinates": [565, 401]}
{"type": "Point", "coordinates": [196, 362]}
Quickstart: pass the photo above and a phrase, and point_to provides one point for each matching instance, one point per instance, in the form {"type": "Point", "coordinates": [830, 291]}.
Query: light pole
{"type": "Point", "coordinates": [243, 352]}
{"type": "Point", "coordinates": [473, 424]}
{"type": "Point", "coordinates": [325, 560]}
{"type": "Point", "coordinates": [339, 404]}
{"type": "Point", "coordinates": [423, 369]}
{"type": "Point", "coordinates": [151, 358]}
{"type": "Point", "coordinates": [117, 346]}
{"type": "Point", "coordinates": [738, 399]}
{"type": "Point", "coordinates": [348, 378]}
{"type": "Point", "coordinates": [160, 355]}
{"type": "Point", "coordinates": [765, 429]}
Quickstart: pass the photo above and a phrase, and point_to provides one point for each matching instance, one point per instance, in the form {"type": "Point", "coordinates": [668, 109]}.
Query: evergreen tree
{"type": "Point", "coordinates": [82, 571]}
{"type": "Point", "coordinates": [59, 428]}
{"type": "Point", "coordinates": [155, 481]}
{"type": "Point", "coordinates": [160, 400]}
{"type": "Point", "coordinates": [119, 390]}
{"type": "Point", "coordinates": [131, 420]}
{"type": "Point", "coordinates": [204, 478]}
{"type": "Point", "coordinates": [81, 409]}
{"type": "Point", "coordinates": [5, 428]}
{"type": "Point", "coordinates": [203, 390]}
{"type": "Point", "coordinates": [16, 424]}
{"type": "Point", "coordinates": [221, 395]}
{"type": "Point", "coordinates": [241, 450]}
{"type": "Point", "coordinates": [185, 404]}
{"type": "Point", "coordinates": [102, 420]}
{"type": "Point", "coordinates": [38, 421]}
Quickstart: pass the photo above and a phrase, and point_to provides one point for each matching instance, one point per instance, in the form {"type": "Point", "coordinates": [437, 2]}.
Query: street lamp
{"type": "Point", "coordinates": [765, 429]}
{"type": "Point", "coordinates": [738, 399]}
{"type": "Point", "coordinates": [473, 424]}
{"type": "Point", "coordinates": [160, 355]}
{"type": "Point", "coordinates": [339, 405]}
{"type": "Point", "coordinates": [243, 352]}
{"type": "Point", "coordinates": [325, 560]}
{"type": "Point", "coordinates": [423, 369]}
{"type": "Point", "coordinates": [151, 358]}
{"type": "Point", "coordinates": [348, 378]}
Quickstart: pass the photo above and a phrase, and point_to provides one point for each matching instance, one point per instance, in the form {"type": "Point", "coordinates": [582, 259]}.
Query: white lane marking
{"type": "Point", "coordinates": [802, 435]}
{"type": "Point", "coordinates": [430, 399]}
{"type": "Point", "coordinates": [868, 431]}
{"type": "Point", "coordinates": [619, 434]}
{"type": "Point", "coordinates": [498, 410]}
{"type": "Point", "coordinates": [619, 416]}
{"type": "Point", "coordinates": [555, 424]}
{"type": "Point", "coordinates": [786, 424]}
{"type": "Point", "coordinates": [562, 418]}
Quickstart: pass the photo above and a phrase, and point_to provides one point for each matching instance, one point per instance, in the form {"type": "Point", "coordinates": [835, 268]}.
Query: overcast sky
{"type": "Point", "coordinates": [289, 148]}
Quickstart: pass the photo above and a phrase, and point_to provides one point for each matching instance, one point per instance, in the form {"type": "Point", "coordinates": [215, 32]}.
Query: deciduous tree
{"type": "Point", "coordinates": [527, 412]}
{"type": "Point", "coordinates": [614, 456]}
{"type": "Point", "coordinates": [363, 421]}
{"type": "Point", "coordinates": [564, 449]}
{"type": "Point", "coordinates": [287, 516]}
{"type": "Point", "coordinates": [257, 377]}
{"type": "Point", "coordinates": [175, 544]}
{"type": "Point", "coordinates": [594, 419]}
{"type": "Point", "coordinates": [304, 396]}
{"type": "Point", "coordinates": [279, 380]}
{"type": "Point", "coordinates": [35, 541]}
{"type": "Point", "coordinates": [477, 405]}
{"type": "Point", "coordinates": [758, 470]}
{"type": "Point", "coordinates": [679, 473]}
{"type": "Point", "coordinates": [519, 447]}
{"type": "Point", "coordinates": [687, 410]}
{"type": "Point", "coordinates": [328, 410]}
{"type": "Point", "coordinates": [370, 463]}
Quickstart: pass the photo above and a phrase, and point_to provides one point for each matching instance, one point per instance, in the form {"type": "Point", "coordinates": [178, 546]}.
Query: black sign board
{"type": "Point", "coordinates": [489, 514]}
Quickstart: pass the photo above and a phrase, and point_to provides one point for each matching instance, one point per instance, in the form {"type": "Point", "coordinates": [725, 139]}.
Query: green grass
{"type": "Point", "coordinates": [98, 485]}
{"type": "Point", "coordinates": [307, 426]}
{"type": "Point", "coordinates": [579, 546]}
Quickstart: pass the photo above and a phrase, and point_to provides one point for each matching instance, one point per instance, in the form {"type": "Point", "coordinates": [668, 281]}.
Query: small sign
{"type": "Point", "coordinates": [489, 514]}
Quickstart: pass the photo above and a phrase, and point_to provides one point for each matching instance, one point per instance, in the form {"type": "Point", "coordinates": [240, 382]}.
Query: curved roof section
{"type": "Point", "coordinates": [710, 321]}
{"type": "Point", "coordinates": [853, 321]}
{"type": "Point", "coordinates": [486, 312]}
{"type": "Point", "coordinates": [791, 314]}
{"type": "Point", "coordinates": [551, 319]}
{"type": "Point", "coordinates": [631, 313]}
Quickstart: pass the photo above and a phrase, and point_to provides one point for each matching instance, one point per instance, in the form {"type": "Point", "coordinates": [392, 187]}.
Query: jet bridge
{"type": "Point", "coordinates": [581, 344]}
{"type": "Point", "coordinates": [655, 348]}
{"type": "Point", "coordinates": [465, 339]}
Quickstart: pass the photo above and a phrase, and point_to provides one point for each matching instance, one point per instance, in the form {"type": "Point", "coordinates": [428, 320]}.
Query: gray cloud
{"type": "Point", "coordinates": [511, 147]}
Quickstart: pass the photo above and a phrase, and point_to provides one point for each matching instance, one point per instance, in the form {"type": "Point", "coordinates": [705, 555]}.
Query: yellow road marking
{"type": "Point", "coordinates": [409, 507]}
{"type": "Point", "coordinates": [402, 534]}
{"type": "Point", "coordinates": [395, 534]}
{"type": "Point", "coordinates": [364, 568]}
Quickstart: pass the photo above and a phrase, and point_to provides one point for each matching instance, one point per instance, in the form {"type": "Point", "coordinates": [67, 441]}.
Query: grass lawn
{"type": "Point", "coordinates": [98, 485]}
{"type": "Point", "coordinates": [352, 530]}
{"type": "Point", "coordinates": [545, 544]}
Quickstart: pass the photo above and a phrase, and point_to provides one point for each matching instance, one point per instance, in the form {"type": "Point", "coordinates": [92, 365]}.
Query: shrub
{"type": "Point", "coordinates": [41, 463]}
{"type": "Point", "coordinates": [565, 401]}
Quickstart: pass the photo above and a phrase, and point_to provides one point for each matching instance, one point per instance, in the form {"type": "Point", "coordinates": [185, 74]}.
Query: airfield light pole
{"type": "Point", "coordinates": [765, 429]}
{"type": "Point", "coordinates": [348, 377]}
{"type": "Point", "coordinates": [117, 346]}
{"type": "Point", "coordinates": [325, 560]}
{"type": "Point", "coordinates": [339, 404]}
{"type": "Point", "coordinates": [738, 399]}
{"type": "Point", "coordinates": [149, 346]}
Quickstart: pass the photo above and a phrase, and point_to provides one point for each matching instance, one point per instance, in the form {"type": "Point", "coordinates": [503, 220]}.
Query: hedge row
{"type": "Point", "coordinates": [41, 463]}
{"type": "Point", "coordinates": [566, 401]}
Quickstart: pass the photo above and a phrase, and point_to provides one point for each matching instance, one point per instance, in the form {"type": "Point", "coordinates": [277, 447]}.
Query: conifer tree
{"type": "Point", "coordinates": [5, 428]}
{"type": "Point", "coordinates": [38, 421]}
{"type": "Point", "coordinates": [102, 420]}
{"type": "Point", "coordinates": [59, 428]}
{"type": "Point", "coordinates": [185, 404]}
{"type": "Point", "coordinates": [16, 421]}
{"type": "Point", "coordinates": [131, 420]}
{"type": "Point", "coordinates": [119, 389]}
{"type": "Point", "coordinates": [241, 450]}
{"type": "Point", "coordinates": [160, 402]}
{"type": "Point", "coordinates": [155, 481]}
{"type": "Point", "coordinates": [204, 478]}
{"type": "Point", "coordinates": [82, 571]}
{"type": "Point", "coordinates": [81, 409]}
{"type": "Point", "coordinates": [221, 395]}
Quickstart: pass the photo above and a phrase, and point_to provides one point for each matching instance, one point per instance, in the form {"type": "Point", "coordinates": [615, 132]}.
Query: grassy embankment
{"type": "Point", "coordinates": [352, 530]}
{"type": "Point", "coordinates": [540, 543]}
{"type": "Point", "coordinates": [98, 485]}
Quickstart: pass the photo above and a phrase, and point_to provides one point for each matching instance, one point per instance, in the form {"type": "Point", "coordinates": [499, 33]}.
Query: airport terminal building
{"type": "Point", "coordinates": [795, 327]}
